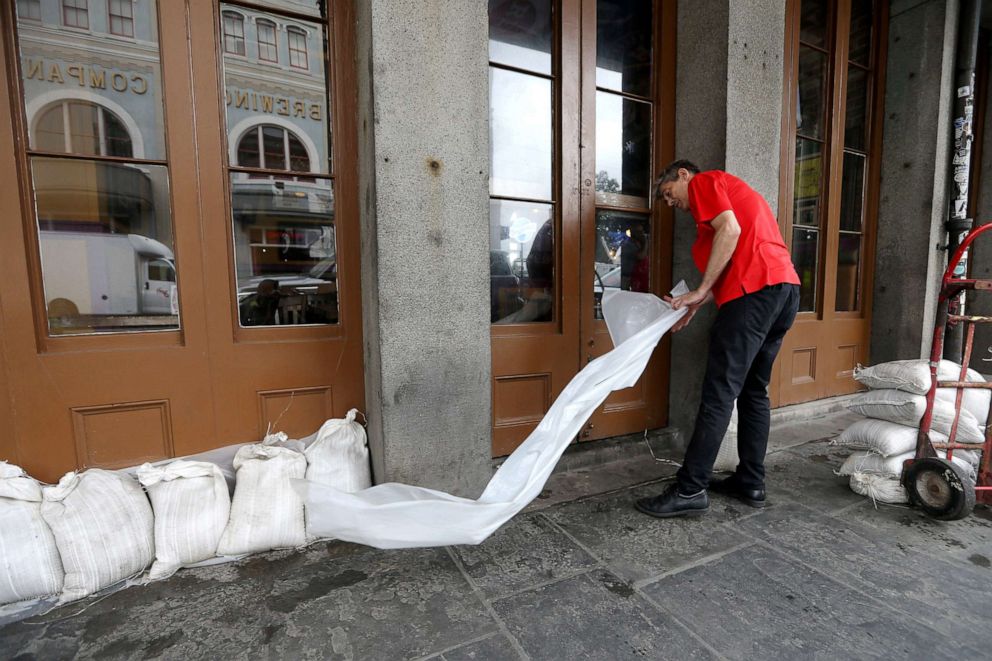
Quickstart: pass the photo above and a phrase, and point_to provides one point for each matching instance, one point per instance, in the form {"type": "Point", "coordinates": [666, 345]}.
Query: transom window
{"type": "Point", "coordinates": [297, 39]}
{"type": "Point", "coordinates": [122, 17]}
{"type": "Point", "coordinates": [267, 49]}
{"type": "Point", "coordinates": [272, 148]}
{"type": "Point", "coordinates": [75, 14]}
{"type": "Point", "coordinates": [81, 127]}
{"type": "Point", "coordinates": [234, 33]}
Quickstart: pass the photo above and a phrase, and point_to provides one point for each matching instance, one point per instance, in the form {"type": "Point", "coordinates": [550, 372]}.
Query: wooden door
{"type": "Point", "coordinates": [559, 212]}
{"type": "Point", "coordinates": [119, 189]}
{"type": "Point", "coordinates": [831, 151]}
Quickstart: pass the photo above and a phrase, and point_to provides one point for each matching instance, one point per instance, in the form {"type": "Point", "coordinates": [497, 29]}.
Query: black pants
{"type": "Point", "coordinates": [744, 341]}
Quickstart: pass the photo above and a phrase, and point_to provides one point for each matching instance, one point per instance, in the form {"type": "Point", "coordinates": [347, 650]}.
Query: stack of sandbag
{"type": "Point", "coordinates": [894, 407]}
{"type": "Point", "coordinates": [103, 528]}
{"type": "Point", "coordinates": [30, 566]}
{"type": "Point", "coordinates": [191, 504]}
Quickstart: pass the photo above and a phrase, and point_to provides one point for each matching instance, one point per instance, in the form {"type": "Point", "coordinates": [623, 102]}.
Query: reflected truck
{"type": "Point", "coordinates": [90, 273]}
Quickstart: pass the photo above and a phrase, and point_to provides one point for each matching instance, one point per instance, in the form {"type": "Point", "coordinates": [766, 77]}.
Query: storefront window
{"type": "Point", "coordinates": [523, 243]}
{"type": "Point", "coordinates": [282, 186]}
{"type": "Point", "coordinates": [104, 222]}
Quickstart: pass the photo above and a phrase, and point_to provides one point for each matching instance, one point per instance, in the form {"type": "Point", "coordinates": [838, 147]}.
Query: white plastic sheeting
{"type": "Point", "coordinates": [402, 516]}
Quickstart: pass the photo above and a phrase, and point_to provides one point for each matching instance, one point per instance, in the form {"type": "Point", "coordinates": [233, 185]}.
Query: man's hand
{"type": "Point", "coordinates": [692, 302]}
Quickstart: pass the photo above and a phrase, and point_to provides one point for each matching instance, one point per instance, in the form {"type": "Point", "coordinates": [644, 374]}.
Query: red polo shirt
{"type": "Point", "coordinates": [760, 258]}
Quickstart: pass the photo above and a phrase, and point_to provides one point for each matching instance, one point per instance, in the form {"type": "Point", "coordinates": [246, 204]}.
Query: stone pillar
{"type": "Point", "coordinates": [423, 98]}
{"type": "Point", "coordinates": [728, 117]}
{"type": "Point", "coordinates": [914, 186]}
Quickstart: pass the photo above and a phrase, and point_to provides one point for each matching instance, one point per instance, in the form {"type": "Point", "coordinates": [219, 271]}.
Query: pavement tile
{"type": "Point", "coordinates": [525, 552]}
{"type": "Point", "coordinates": [636, 546]}
{"type": "Point", "coordinates": [968, 540]}
{"type": "Point", "coordinates": [797, 432]}
{"type": "Point", "coordinates": [951, 598]}
{"type": "Point", "coordinates": [805, 475]}
{"type": "Point", "coordinates": [494, 648]}
{"type": "Point", "coordinates": [332, 601]}
{"type": "Point", "coordinates": [583, 482]}
{"type": "Point", "coordinates": [594, 616]}
{"type": "Point", "coordinates": [755, 603]}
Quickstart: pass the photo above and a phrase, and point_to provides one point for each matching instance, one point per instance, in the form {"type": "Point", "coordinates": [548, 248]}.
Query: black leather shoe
{"type": "Point", "coordinates": [729, 487]}
{"type": "Point", "coordinates": [670, 503]}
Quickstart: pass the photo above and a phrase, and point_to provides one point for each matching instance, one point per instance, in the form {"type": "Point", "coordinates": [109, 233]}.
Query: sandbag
{"type": "Point", "coordinates": [30, 566]}
{"type": "Point", "coordinates": [191, 506]}
{"type": "Point", "coordinates": [266, 513]}
{"type": "Point", "coordinates": [907, 409]}
{"type": "Point", "coordinates": [103, 527]}
{"type": "Point", "coordinates": [869, 462]}
{"type": "Point", "coordinates": [339, 455]}
{"type": "Point", "coordinates": [880, 488]}
{"type": "Point", "coordinates": [913, 376]}
{"type": "Point", "coordinates": [882, 437]}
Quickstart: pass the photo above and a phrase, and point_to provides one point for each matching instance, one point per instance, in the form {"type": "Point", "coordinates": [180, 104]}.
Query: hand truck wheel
{"type": "Point", "coordinates": [940, 488]}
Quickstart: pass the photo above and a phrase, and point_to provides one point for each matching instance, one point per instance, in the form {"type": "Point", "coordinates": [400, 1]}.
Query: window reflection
{"type": "Point", "coordinates": [623, 151]}
{"type": "Point", "coordinates": [520, 134]}
{"type": "Point", "coordinates": [623, 254]}
{"type": "Point", "coordinates": [623, 46]}
{"type": "Point", "coordinates": [520, 34]}
{"type": "Point", "coordinates": [285, 251]}
{"type": "Point", "coordinates": [522, 262]}
{"type": "Point", "coordinates": [105, 233]}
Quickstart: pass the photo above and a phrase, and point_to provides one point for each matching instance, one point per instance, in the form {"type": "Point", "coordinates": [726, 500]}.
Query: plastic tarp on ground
{"type": "Point", "coordinates": [402, 516]}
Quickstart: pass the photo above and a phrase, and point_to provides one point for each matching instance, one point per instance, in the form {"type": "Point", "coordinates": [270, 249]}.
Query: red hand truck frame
{"type": "Point", "coordinates": [937, 485]}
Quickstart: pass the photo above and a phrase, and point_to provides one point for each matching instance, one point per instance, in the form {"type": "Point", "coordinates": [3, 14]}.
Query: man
{"type": "Point", "coordinates": [747, 271]}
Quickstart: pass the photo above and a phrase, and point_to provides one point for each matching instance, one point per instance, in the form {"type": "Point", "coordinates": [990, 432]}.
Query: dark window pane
{"type": "Point", "coordinates": [298, 159]}
{"type": "Point", "coordinates": [285, 251]}
{"type": "Point", "coordinates": [99, 226]}
{"type": "Point", "coordinates": [623, 151]}
{"type": "Point", "coordinates": [274, 146]}
{"type": "Point", "coordinates": [267, 47]}
{"type": "Point", "coordinates": [623, 45]}
{"type": "Point", "coordinates": [248, 154]}
{"type": "Point", "coordinates": [521, 262]}
{"type": "Point", "coordinates": [810, 95]}
{"type": "Point", "coordinates": [520, 34]}
{"type": "Point", "coordinates": [859, 45]}
{"type": "Point", "coordinates": [848, 270]}
{"type": "Point", "coordinates": [856, 122]}
{"type": "Point", "coordinates": [623, 254]}
{"type": "Point", "coordinates": [116, 137]}
{"type": "Point", "coordinates": [852, 195]}
{"type": "Point", "coordinates": [805, 256]}
{"type": "Point", "coordinates": [520, 135]}
{"type": "Point", "coordinates": [809, 175]}
{"type": "Point", "coordinates": [813, 22]}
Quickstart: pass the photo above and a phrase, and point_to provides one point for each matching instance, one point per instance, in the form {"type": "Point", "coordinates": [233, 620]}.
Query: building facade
{"type": "Point", "coordinates": [230, 217]}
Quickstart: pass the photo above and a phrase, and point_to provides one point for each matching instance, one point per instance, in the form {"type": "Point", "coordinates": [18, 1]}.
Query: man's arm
{"type": "Point", "coordinates": [724, 243]}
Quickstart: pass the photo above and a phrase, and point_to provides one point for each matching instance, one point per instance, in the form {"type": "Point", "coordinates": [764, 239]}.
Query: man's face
{"type": "Point", "coordinates": [676, 193]}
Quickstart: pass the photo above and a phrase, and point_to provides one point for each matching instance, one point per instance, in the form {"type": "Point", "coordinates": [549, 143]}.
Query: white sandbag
{"type": "Point", "coordinates": [728, 458]}
{"type": "Point", "coordinates": [869, 462]}
{"type": "Point", "coordinates": [339, 456]}
{"type": "Point", "coordinates": [103, 527]}
{"type": "Point", "coordinates": [30, 566]}
{"type": "Point", "coordinates": [191, 506]}
{"type": "Point", "coordinates": [973, 400]}
{"type": "Point", "coordinates": [909, 375]}
{"type": "Point", "coordinates": [403, 516]}
{"type": "Point", "coordinates": [266, 513]}
{"type": "Point", "coordinates": [880, 488]}
{"type": "Point", "coordinates": [882, 437]}
{"type": "Point", "coordinates": [907, 409]}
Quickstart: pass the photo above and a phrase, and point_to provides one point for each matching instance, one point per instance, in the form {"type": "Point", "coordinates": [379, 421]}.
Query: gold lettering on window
{"type": "Point", "coordinates": [241, 99]}
{"type": "Point", "coordinates": [76, 71]}
{"type": "Point", "coordinates": [298, 109]}
{"type": "Point", "coordinates": [315, 111]}
{"type": "Point", "coordinates": [282, 106]}
{"type": "Point", "coordinates": [36, 69]}
{"type": "Point", "coordinates": [119, 82]}
{"type": "Point", "coordinates": [139, 85]}
{"type": "Point", "coordinates": [98, 79]}
{"type": "Point", "coordinates": [266, 103]}
{"type": "Point", "coordinates": [55, 74]}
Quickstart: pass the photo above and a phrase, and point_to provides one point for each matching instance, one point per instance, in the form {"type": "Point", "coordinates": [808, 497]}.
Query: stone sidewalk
{"type": "Point", "coordinates": [581, 575]}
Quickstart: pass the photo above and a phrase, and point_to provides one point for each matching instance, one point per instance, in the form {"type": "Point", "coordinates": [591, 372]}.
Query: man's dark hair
{"type": "Point", "coordinates": [671, 172]}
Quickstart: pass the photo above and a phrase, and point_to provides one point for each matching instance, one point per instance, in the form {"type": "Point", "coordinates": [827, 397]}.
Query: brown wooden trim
{"type": "Point", "coordinates": [527, 72]}
{"type": "Point", "coordinates": [40, 153]}
{"type": "Point", "coordinates": [289, 13]}
{"type": "Point", "coordinates": [787, 150]}
{"type": "Point", "coordinates": [282, 174]}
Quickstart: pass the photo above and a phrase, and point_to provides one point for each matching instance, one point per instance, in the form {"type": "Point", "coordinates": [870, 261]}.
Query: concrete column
{"type": "Point", "coordinates": [728, 117]}
{"type": "Point", "coordinates": [914, 186]}
{"type": "Point", "coordinates": [423, 92]}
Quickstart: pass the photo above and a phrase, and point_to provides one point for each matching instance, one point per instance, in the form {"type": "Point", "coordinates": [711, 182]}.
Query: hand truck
{"type": "Point", "coordinates": [940, 487]}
